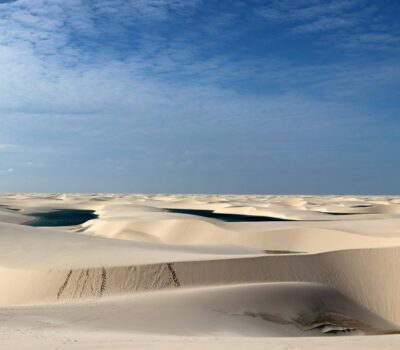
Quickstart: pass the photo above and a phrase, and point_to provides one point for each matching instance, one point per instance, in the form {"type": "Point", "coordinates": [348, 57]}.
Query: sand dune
{"type": "Point", "coordinates": [256, 310]}
{"type": "Point", "coordinates": [273, 237]}
{"type": "Point", "coordinates": [142, 274]}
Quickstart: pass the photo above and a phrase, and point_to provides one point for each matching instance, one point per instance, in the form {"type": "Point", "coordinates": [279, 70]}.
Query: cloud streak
{"type": "Point", "coordinates": [6, 146]}
{"type": "Point", "coordinates": [350, 25]}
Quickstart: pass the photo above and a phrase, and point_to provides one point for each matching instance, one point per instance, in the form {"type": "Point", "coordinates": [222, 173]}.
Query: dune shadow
{"type": "Point", "coordinates": [225, 217]}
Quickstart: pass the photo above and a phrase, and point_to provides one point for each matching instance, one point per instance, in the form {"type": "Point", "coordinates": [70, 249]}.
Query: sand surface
{"type": "Point", "coordinates": [325, 275]}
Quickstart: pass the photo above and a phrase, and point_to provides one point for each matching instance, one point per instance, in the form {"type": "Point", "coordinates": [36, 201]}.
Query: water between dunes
{"type": "Point", "coordinates": [62, 217]}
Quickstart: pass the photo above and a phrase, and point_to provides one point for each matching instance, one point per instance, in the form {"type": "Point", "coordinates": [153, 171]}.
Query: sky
{"type": "Point", "coordinates": [197, 96]}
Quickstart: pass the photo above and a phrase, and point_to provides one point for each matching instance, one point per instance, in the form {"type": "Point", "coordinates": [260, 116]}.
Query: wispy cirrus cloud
{"type": "Point", "coordinates": [63, 57]}
{"type": "Point", "coordinates": [306, 10]}
{"type": "Point", "coordinates": [351, 25]}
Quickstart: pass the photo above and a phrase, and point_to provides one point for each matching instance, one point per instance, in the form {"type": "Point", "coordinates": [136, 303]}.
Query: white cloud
{"type": "Point", "coordinates": [323, 24]}
{"type": "Point", "coordinates": [7, 171]}
{"type": "Point", "coordinates": [50, 84]}
{"type": "Point", "coordinates": [6, 146]}
{"type": "Point", "coordinates": [43, 73]}
{"type": "Point", "coordinates": [306, 10]}
{"type": "Point", "coordinates": [355, 25]}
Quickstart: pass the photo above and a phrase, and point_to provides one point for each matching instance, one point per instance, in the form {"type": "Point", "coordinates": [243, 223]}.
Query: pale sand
{"type": "Point", "coordinates": [142, 277]}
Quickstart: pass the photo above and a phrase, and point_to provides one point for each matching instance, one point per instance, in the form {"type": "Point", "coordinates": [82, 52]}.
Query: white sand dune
{"type": "Point", "coordinates": [275, 236]}
{"type": "Point", "coordinates": [139, 274]}
{"type": "Point", "coordinates": [254, 310]}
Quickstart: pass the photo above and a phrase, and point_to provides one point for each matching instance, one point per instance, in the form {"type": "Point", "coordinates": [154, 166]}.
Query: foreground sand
{"type": "Point", "coordinates": [140, 276]}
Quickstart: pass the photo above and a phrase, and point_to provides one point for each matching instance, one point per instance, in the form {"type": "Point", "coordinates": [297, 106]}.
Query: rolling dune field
{"type": "Point", "coordinates": [164, 271]}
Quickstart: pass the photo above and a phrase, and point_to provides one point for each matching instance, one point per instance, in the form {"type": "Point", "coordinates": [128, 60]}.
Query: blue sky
{"type": "Point", "coordinates": [192, 96]}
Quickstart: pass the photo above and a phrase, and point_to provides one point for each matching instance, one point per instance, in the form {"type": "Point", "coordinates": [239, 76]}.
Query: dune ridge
{"type": "Point", "coordinates": [340, 270]}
